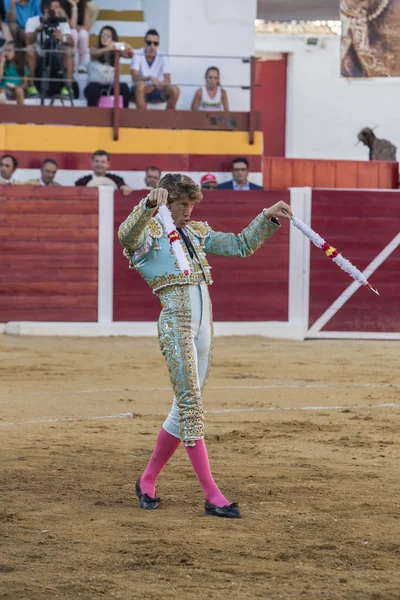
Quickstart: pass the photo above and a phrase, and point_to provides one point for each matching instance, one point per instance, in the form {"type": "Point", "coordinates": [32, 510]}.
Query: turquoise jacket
{"type": "Point", "coordinates": [149, 251]}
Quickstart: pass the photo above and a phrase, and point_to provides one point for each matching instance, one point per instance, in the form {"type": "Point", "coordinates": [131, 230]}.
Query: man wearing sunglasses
{"type": "Point", "coordinates": [151, 76]}
{"type": "Point", "coordinates": [240, 173]}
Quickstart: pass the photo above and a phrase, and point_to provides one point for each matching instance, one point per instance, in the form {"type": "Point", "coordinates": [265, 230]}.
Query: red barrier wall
{"type": "Point", "coordinates": [360, 224]}
{"type": "Point", "coordinates": [254, 289]}
{"type": "Point", "coordinates": [282, 173]}
{"type": "Point", "coordinates": [48, 253]}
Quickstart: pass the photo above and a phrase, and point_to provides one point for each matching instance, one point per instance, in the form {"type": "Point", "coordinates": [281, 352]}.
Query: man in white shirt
{"type": "Point", "coordinates": [8, 166]}
{"type": "Point", "coordinates": [36, 35]}
{"type": "Point", "coordinates": [151, 76]}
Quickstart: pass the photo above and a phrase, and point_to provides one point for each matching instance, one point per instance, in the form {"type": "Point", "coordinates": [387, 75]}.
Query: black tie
{"type": "Point", "coordinates": [187, 241]}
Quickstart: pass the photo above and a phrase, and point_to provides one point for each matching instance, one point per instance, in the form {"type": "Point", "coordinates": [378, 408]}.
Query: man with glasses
{"type": "Point", "coordinates": [151, 76]}
{"type": "Point", "coordinates": [8, 166]}
{"type": "Point", "coordinates": [240, 173]}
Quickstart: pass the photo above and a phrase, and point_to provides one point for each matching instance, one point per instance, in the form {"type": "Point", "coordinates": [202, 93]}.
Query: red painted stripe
{"type": "Point", "coordinates": [136, 162]}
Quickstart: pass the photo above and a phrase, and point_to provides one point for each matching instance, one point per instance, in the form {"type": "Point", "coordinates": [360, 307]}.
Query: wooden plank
{"type": "Point", "coordinates": [152, 119]}
{"type": "Point", "coordinates": [346, 174]}
{"type": "Point", "coordinates": [45, 220]}
{"type": "Point", "coordinates": [324, 173]}
{"type": "Point", "coordinates": [121, 15]}
{"type": "Point", "coordinates": [81, 314]}
{"type": "Point", "coordinates": [49, 234]}
{"type": "Point", "coordinates": [267, 176]}
{"type": "Point", "coordinates": [44, 302]}
{"type": "Point", "coordinates": [388, 175]}
{"type": "Point", "coordinates": [20, 246]}
{"type": "Point", "coordinates": [40, 261]}
{"type": "Point", "coordinates": [303, 173]}
{"type": "Point", "coordinates": [54, 274]}
{"type": "Point", "coordinates": [281, 173]}
{"type": "Point", "coordinates": [27, 206]}
{"type": "Point", "coordinates": [48, 288]}
{"type": "Point", "coordinates": [368, 175]}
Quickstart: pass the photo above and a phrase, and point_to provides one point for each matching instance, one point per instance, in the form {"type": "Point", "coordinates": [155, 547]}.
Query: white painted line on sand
{"type": "Point", "coordinates": [128, 415]}
{"type": "Point", "coordinates": [278, 386]}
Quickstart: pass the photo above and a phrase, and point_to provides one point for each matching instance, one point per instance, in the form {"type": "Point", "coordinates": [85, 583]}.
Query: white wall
{"type": "Point", "coordinates": [195, 28]}
{"type": "Point", "coordinates": [133, 178]}
{"type": "Point", "coordinates": [324, 111]}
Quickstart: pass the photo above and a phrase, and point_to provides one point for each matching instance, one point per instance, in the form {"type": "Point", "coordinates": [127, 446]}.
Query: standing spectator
{"type": "Point", "coordinates": [48, 171]}
{"type": "Point", "coordinates": [18, 13]}
{"type": "Point", "coordinates": [211, 96]}
{"type": "Point", "coordinates": [93, 13]}
{"type": "Point", "coordinates": [100, 165]}
{"type": "Point", "coordinates": [151, 75]}
{"type": "Point", "coordinates": [208, 182]}
{"type": "Point", "coordinates": [12, 81]}
{"type": "Point", "coordinates": [8, 166]}
{"type": "Point", "coordinates": [152, 177]}
{"type": "Point", "coordinates": [378, 149]}
{"type": "Point", "coordinates": [240, 173]}
{"type": "Point", "coordinates": [101, 69]}
{"type": "Point", "coordinates": [79, 21]}
{"type": "Point", "coordinates": [5, 33]}
{"type": "Point", "coordinates": [35, 38]}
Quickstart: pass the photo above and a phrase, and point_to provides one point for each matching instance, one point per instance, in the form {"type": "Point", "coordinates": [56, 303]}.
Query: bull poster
{"type": "Point", "coordinates": [370, 45]}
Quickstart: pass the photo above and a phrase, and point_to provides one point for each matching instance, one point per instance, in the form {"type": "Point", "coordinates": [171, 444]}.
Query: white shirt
{"type": "Point", "coordinates": [34, 22]}
{"type": "Point", "coordinates": [7, 181]}
{"type": "Point", "coordinates": [208, 103]}
{"type": "Point", "coordinates": [237, 187]}
{"type": "Point", "coordinates": [158, 68]}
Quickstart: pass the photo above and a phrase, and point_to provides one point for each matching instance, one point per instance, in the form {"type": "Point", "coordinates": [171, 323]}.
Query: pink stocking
{"type": "Point", "coordinates": [199, 459]}
{"type": "Point", "coordinates": [165, 448]}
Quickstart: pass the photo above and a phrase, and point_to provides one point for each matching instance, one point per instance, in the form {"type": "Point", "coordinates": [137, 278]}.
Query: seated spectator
{"type": "Point", "coordinates": [78, 16]}
{"type": "Point", "coordinates": [152, 177]}
{"type": "Point", "coordinates": [36, 36]}
{"type": "Point", "coordinates": [18, 13]}
{"type": "Point", "coordinates": [240, 173]}
{"type": "Point", "coordinates": [151, 75]}
{"type": "Point", "coordinates": [211, 96]}
{"type": "Point", "coordinates": [12, 81]}
{"type": "Point", "coordinates": [208, 182]}
{"type": "Point", "coordinates": [48, 171]}
{"type": "Point", "coordinates": [101, 68]}
{"type": "Point", "coordinates": [100, 165]}
{"type": "Point", "coordinates": [8, 166]}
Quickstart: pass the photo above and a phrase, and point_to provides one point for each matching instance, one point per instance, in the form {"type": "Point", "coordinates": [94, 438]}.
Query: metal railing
{"type": "Point", "coordinates": [252, 61]}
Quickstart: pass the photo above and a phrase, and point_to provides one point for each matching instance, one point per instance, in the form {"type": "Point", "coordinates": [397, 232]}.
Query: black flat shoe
{"type": "Point", "coordinates": [229, 512]}
{"type": "Point", "coordinates": [144, 499]}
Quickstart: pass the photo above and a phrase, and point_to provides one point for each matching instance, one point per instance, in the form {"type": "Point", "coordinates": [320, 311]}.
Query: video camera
{"type": "Point", "coordinates": [52, 21]}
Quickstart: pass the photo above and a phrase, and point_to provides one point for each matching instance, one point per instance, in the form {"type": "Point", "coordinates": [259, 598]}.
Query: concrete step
{"type": "Point", "coordinates": [121, 15]}
{"type": "Point", "coordinates": [128, 28]}
{"type": "Point", "coordinates": [132, 5]}
{"type": "Point", "coordinates": [135, 42]}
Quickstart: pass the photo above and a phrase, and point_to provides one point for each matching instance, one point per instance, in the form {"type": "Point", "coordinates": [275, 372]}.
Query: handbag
{"type": "Point", "coordinates": [101, 73]}
{"type": "Point", "coordinates": [108, 101]}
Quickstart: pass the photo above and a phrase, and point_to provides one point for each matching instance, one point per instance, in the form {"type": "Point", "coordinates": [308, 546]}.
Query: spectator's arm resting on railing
{"type": "Point", "coordinates": [196, 100]}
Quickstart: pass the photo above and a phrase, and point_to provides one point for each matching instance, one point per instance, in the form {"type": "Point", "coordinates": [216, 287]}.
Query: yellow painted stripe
{"type": "Point", "coordinates": [47, 138]}
{"type": "Point", "coordinates": [120, 15]}
{"type": "Point", "coordinates": [134, 42]}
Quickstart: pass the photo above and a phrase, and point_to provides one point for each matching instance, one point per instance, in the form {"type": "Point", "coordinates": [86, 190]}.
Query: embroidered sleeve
{"type": "Point", "coordinates": [133, 232]}
{"type": "Point", "coordinates": [245, 243]}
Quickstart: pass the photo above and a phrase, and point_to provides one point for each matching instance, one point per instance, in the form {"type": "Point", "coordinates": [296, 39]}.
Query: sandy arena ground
{"type": "Point", "coordinates": [305, 436]}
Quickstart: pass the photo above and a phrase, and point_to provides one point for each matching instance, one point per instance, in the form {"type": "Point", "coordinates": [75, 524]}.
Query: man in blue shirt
{"type": "Point", "coordinates": [240, 172]}
{"type": "Point", "coordinates": [18, 12]}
